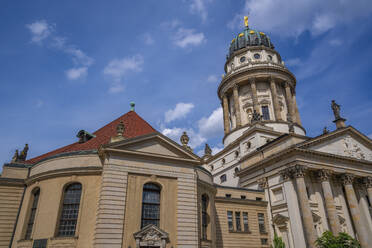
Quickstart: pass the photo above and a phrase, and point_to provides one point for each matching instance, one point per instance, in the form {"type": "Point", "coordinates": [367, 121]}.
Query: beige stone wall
{"type": "Point", "coordinates": [10, 198]}
{"type": "Point", "coordinates": [237, 193]}
{"type": "Point", "coordinates": [168, 207]}
{"type": "Point", "coordinates": [226, 238]}
{"type": "Point", "coordinates": [47, 215]}
{"type": "Point", "coordinates": [14, 172]}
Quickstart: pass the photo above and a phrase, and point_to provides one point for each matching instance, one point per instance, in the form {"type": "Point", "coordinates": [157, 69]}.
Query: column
{"type": "Point", "coordinates": [225, 107]}
{"type": "Point", "coordinates": [237, 106]}
{"type": "Point", "coordinates": [347, 181]}
{"type": "Point", "coordinates": [289, 100]}
{"type": "Point", "coordinates": [368, 182]}
{"type": "Point", "coordinates": [293, 209]}
{"type": "Point", "coordinates": [256, 106]}
{"type": "Point", "coordinates": [274, 95]}
{"type": "Point", "coordinates": [297, 113]}
{"type": "Point", "coordinates": [334, 222]}
{"type": "Point", "coordinates": [307, 216]}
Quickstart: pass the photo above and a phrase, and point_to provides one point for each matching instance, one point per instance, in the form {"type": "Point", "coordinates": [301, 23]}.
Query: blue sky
{"type": "Point", "coordinates": [72, 65]}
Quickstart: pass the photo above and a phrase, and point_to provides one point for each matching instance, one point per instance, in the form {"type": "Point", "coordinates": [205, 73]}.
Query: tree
{"type": "Point", "coordinates": [343, 240]}
{"type": "Point", "coordinates": [278, 242]}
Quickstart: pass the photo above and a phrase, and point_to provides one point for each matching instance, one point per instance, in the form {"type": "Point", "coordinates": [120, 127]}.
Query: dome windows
{"type": "Point", "coordinates": [270, 57]}
{"type": "Point", "coordinates": [257, 56]}
{"type": "Point", "coordinates": [242, 59]}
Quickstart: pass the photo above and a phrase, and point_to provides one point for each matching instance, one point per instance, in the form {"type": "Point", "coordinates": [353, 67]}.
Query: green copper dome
{"type": "Point", "coordinates": [249, 38]}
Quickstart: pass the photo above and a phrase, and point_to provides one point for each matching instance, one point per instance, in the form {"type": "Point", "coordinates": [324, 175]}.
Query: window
{"type": "Point", "coordinates": [31, 218]}
{"type": "Point", "coordinates": [150, 205]}
{"type": "Point", "coordinates": [258, 198]}
{"type": "Point", "coordinates": [236, 154]}
{"type": "Point", "coordinates": [204, 216]}
{"type": "Point", "coordinates": [230, 220]}
{"type": "Point", "coordinates": [236, 170]}
{"type": "Point", "coordinates": [40, 243]}
{"type": "Point", "coordinates": [223, 178]}
{"type": "Point", "coordinates": [243, 197]}
{"type": "Point", "coordinates": [261, 222]}
{"type": "Point", "coordinates": [237, 221]}
{"type": "Point", "coordinates": [70, 210]}
{"type": "Point", "coordinates": [228, 195]}
{"type": "Point", "coordinates": [223, 161]}
{"type": "Point", "coordinates": [257, 55]}
{"type": "Point", "coordinates": [242, 59]}
{"type": "Point", "coordinates": [264, 242]}
{"type": "Point", "coordinates": [245, 221]}
{"type": "Point", "coordinates": [265, 112]}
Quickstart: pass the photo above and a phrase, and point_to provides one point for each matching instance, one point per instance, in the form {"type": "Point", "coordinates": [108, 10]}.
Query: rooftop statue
{"type": "Point", "coordinates": [21, 156]}
{"type": "Point", "coordinates": [207, 150]}
{"type": "Point", "coordinates": [336, 110]}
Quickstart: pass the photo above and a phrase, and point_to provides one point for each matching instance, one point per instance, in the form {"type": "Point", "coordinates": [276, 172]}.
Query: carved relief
{"type": "Point", "coordinates": [151, 235]}
{"type": "Point", "coordinates": [352, 149]}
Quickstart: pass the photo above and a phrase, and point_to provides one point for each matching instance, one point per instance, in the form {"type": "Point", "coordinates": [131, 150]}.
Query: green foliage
{"type": "Point", "coordinates": [278, 242]}
{"type": "Point", "coordinates": [343, 240]}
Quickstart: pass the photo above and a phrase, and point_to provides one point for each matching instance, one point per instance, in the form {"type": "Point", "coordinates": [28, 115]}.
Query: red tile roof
{"type": "Point", "coordinates": [134, 126]}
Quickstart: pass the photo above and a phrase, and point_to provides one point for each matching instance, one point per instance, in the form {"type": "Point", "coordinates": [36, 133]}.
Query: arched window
{"type": "Point", "coordinates": [204, 216]}
{"type": "Point", "coordinates": [150, 205]}
{"type": "Point", "coordinates": [70, 210]}
{"type": "Point", "coordinates": [31, 218]}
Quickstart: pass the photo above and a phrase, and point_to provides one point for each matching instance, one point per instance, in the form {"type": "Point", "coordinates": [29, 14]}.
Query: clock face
{"type": "Point", "coordinates": [257, 56]}
{"type": "Point", "coordinates": [242, 59]}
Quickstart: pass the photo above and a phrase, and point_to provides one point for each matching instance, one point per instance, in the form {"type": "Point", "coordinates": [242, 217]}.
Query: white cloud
{"type": "Point", "coordinates": [170, 24]}
{"type": "Point", "coordinates": [291, 17]}
{"type": "Point", "coordinates": [40, 30]}
{"type": "Point", "coordinates": [216, 149]}
{"type": "Point", "coordinates": [212, 79]}
{"type": "Point", "coordinates": [76, 73]}
{"type": "Point", "coordinates": [78, 56]}
{"type": "Point", "coordinates": [212, 125]}
{"type": "Point", "coordinates": [147, 39]}
{"type": "Point", "coordinates": [293, 62]}
{"type": "Point", "coordinates": [335, 42]}
{"type": "Point", "coordinates": [116, 88]}
{"type": "Point", "coordinates": [188, 37]}
{"type": "Point", "coordinates": [175, 133]}
{"type": "Point", "coordinates": [199, 7]}
{"type": "Point", "coordinates": [179, 112]}
{"type": "Point", "coordinates": [117, 68]}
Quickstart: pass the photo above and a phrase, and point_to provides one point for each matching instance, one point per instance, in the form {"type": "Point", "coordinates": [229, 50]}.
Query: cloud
{"type": "Point", "coordinates": [212, 125]}
{"type": "Point", "coordinates": [117, 69]}
{"type": "Point", "coordinates": [188, 37]}
{"type": "Point", "coordinates": [170, 24]}
{"type": "Point", "coordinates": [175, 133]}
{"type": "Point", "coordinates": [147, 39]}
{"type": "Point", "coordinates": [212, 79]}
{"type": "Point", "coordinates": [293, 62]}
{"type": "Point", "coordinates": [76, 73]}
{"type": "Point", "coordinates": [199, 7]}
{"type": "Point", "coordinates": [40, 30]}
{"type": "Point", "coordinates": [335, 42]}
{"type": "Point", "coordinates": [291, 18]}
{"type": "Point", "coordinates": [179, 112]}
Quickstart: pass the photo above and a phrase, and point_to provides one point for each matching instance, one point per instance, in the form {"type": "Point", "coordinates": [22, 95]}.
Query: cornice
{"type": "Point", "coordinates": [4, 181]}
{"type": "Point", "coordinates": [241, 201]}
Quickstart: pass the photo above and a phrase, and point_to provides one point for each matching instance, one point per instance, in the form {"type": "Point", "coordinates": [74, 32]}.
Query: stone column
{"type": "Point", "coordinates": [226, 122]}
{"type": "Point", "coordinates": [237, 106]}
{"type": "Point", "coordinates": [368, 183]}
{"type": "Point", "coordinates": [334, 222]}
{"type": "Point", "coordinates": [297, 113]}
{"type": "Point", "coordinates": [256, 106]}
{"type": "Point", "coordinates": [289, 100]}
{"type": "Point", "coordinates": [294, 213]}
{"type": "Point", "coordinates": [347, 181]}
{"type": "Point", "coordinates": [274, 95]}
{"type": "Point", "coordinates": [307, 215]}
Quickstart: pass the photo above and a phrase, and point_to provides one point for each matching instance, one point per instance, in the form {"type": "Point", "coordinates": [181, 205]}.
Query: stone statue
{"type": "Point", "coordinates": [20, 157]}
{"type": "Point", "coordinates": [185, 140]}
{"type": "Point", "coordinates": [120, 128]}
{"type": "Point", "coordinates": [336, 110]}
{"type": "Point", "coordinates": [290, 123]}
{"type": "Point", "coordinates": [207, 150]}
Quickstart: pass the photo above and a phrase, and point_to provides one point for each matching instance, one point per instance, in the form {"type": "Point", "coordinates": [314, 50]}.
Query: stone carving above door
{"type": "Point", "coordinates": [151, 235]}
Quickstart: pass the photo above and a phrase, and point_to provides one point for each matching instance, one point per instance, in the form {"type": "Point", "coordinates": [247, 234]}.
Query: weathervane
{"type": "Point", "coordinates": [246, 21]}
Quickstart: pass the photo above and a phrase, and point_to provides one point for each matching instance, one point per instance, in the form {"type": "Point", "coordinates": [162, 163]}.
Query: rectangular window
{"type": "Point", "coordinates": [40, 243]}
{"type": "Point", "coordinates": [223, 178]}
{"type": "Point", "coordinates": [230, 220]}
{"type": "Point", "coordinates": [31, 218]}
{"type": "Point", "coordinates": [228, 195]}
{"type": "Point", "coordinates": [237, 221]}
{"type": "Point", "coordinates": [258, 198]}
{"type": "Point", "coordinates": [243, 197]}
{"type": "Point", "coordinates": [261, 222]}
{"type": "Point", "coordinates": [265, 112]}
{"type": "Point", "coordinates": [245, 221]}
{"type": "Point", "coordinates": [264, 242]}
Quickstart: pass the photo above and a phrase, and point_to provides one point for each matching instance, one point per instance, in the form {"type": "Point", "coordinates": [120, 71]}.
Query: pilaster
{"type": "Point", "coordinates": [225, 107]}
{"type": "Point", "coordinates": [274, 95]}
{"type": "Point", "coordinates": [256, 105]}
{"type": "Point", "coordinates": [237, 106]}
{"type": "Point", "coordinates": [289, 100]}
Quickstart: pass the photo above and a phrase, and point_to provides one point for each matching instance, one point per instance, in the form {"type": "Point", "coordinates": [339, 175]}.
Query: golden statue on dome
{"type": "Point", "coordinates": [246, 21]}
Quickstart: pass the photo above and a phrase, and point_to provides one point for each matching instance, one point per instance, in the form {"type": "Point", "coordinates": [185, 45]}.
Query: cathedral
{"type": "Point", "coordinates": [126, 185]}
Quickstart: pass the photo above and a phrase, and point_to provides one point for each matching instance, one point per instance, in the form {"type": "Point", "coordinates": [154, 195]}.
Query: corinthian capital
{"type": "Point", "coordinates": [299, 171]}
{"type": "Point", "coordinates": [367, 182]}
{"type": "Point", "coordinates": [262, 183]}
{"type": "Point", "coordinates": [286, 174]}
{"type": "Point", "coordinates": [347, 179]}
{"type": "Point", "coordinates": [324, 175]}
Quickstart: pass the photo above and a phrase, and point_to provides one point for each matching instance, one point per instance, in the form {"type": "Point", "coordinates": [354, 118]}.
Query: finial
{"type": "Point", "coordinates": [246, 21]}
{"type": "Point", "coordinates": [340, 122]}
{"type": "Point", "coordinates": [132, 105]}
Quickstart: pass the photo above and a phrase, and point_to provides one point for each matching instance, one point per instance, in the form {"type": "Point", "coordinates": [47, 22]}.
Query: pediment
{"type": "Point", "coordinates": [154, 144]}
{"type": "Point", "coordinates": [151, 235]}
{"type": "Point", "coordinates": [347, 143]}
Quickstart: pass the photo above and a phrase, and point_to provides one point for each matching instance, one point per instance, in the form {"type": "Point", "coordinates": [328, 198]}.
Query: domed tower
{"type": "Point", "coordinates": [257, 85]}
